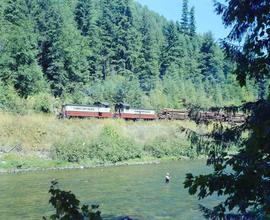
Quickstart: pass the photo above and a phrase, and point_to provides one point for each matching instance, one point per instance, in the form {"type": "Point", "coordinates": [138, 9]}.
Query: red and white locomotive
{"type": "Point", "coordinates": [99, 110]}
{"type": "Point", "coordinates": [103, 110]}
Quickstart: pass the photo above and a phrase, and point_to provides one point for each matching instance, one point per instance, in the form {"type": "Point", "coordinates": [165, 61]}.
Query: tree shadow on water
{"type": "Point", "coordinates": [67, 206]}
{"type": "Point", "coordinates": [113, 217]}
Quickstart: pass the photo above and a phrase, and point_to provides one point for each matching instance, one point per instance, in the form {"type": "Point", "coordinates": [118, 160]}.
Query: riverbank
{"type": "Point", "coordinates": [72, 166]}
{"type": "Point", "coordinates": [37, 164]}
{"type": "Point", "coordinates": [42, 142]}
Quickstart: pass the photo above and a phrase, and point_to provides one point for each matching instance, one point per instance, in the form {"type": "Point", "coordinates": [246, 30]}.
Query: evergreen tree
{"type": "Point", "coordinates": [211, 60]}
{"type": "Point", "coordinates": [108, 30]}
{"type": "Point", "coordinates": [192, 22]}
{"type": "Point", "coordinates": [185, 18]}
{"type": "Point", "coordinates": [63, 52]}
{"type": "Point", "coordinates": [173, 51]}
{"type": "Point", "coordinates": [83, 15]}
{"type": "Point", "coordinates": [127, 41]}
{"type": "Point", "coordinates": [149, 72]}
{"type": "Point", "coordinates": [49, 23]}
{"type": "Point", "coordinates": [192, 60]}
{"type": "Point", "coordinates": [69, 47]}
{"type": "Point", "coordinates": [241, 179]}
{"type": "Point", "coordinates": [122, 43]}
{"type": "Point", "coordinates": [18, 60]}
{"type": "Point", "coordinates": [86, 16]}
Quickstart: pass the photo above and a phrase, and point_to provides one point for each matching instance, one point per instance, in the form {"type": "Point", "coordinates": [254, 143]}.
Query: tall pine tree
{"type": "Point", "coordinates": [86, 16]}
{"type": "Point", "coordinates": [192, 22]}
{"type": "Point", "coordinates": [185, 18]}
{"type": "Point", "coordinates": [173, 51]}
{"type": "Point", "coordinates": [121, 40]}
{"type": "Point", "coordinates": [63, 51]}
{"type": "Point", "coordinates": [211, 63]}
{"type": "Point", "coordinates": [18, 59]}
{"type": "Point", "coordinates": [83, 16]}
{"type": "Point", "coordinates": [149, 72]}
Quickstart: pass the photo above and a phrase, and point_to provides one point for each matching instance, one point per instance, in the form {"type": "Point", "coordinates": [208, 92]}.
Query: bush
{"type": "Point", "coordinates": [109, 146]}
{"type": "Point", "coordinates": [169, 147]}
{"type": "Point", "coordinates": [42, 102]}
{"type": "Point", "coordinates": [112, 147]}
{"type": "Point", "coordinates": [10, 100]}
{"type": "Point", "coordinates": [71, 150]}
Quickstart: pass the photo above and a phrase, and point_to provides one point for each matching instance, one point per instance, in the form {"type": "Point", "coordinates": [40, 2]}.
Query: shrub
{"type": "Point", "coordinates": [10, 100]}
{"type": "Point", "coordinates": [71, 150]}
{"type": "Point", "coordinates": [109, 146]}
{"type": "Point", "coordinates": [42, 102]}
{"type": "Point", "coordinates": [169, 147]}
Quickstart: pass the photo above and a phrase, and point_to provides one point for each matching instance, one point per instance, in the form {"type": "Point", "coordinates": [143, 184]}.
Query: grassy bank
{"type": "Point", "coordinates": [43, 141]}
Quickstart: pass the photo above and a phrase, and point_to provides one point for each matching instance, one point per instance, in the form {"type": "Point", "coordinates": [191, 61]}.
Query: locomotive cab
{"type": "Point", "coordinates": [102, 104]}
{"type": "Point", "coordinates": [119, 108]}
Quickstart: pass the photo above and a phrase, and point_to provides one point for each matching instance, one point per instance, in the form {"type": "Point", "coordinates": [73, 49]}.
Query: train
{"type": "Point", "coordinates": [103, 110]}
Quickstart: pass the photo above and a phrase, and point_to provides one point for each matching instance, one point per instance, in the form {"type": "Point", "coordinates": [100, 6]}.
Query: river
{"type": "Point", "coordinates": [136, 191]}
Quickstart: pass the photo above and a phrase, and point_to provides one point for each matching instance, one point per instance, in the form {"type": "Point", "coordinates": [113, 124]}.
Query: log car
{"type": "Point", "coordinates": [173, 114]}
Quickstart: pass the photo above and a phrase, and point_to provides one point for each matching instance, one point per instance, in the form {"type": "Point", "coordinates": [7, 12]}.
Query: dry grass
{"type": "Point", "coordinates": [46, 141]}
{"type": "Point", "coordinates": [41, 132]}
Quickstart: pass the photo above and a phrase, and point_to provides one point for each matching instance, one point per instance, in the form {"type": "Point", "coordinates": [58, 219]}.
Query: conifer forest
{"type": "Point", "coordinates": [82, 51]}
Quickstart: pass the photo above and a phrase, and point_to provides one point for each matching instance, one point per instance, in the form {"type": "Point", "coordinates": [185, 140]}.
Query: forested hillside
{"type": "Point", "coordinates": [81, 51]}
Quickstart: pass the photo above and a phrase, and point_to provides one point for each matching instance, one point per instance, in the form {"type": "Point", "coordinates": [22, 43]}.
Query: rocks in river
{"type": "Point", "coordinates": [19, 166]}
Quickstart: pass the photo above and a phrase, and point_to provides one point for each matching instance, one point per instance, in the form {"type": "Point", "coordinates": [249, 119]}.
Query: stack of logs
{"type": "Point", "coordinates": [203, 116]}
{"type": "Point", "coordinates": [173, 114]}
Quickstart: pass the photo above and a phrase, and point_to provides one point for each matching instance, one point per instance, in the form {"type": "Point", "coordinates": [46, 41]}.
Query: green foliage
{"type": "Point", "coordinates": [42, 140]}
{"type": "Point", "coordinates": [113, 147]}
{"type": "Point", "coordinates": [77, 47]}
{"type": "Point", "coordinates": [71, 150]}
{"type": "Point", "coordinates": [20, 161]}
{"type": "Point", "coordinates": [251, 27]}
{"type": "Point", "coordinates": [117, 89]}
{"type": "Point", "coordinates": [173, 51]}
{"type": "Point", "coordinates": [158, 100]}
{"type": "Point", "coordinates": [192, 22]}
{"type": "Point", "coordinates": [185, 18]}
{"type": "Point", "coordinates": [109, 146]}
{"type": "Point", "coordinates": [149, 66]}
{"type": "Point", "coordinates": [84, 15]}
{"type": "Point", "coordinates": [175, 147]}
{"type": "Point", "coordinates": [10, 100]}
{"type": "Point", "coordinates": [42, 102]}
{"type": "Point", "coordinates": [242, 179]}
{"type": "Point", "coordinates": [211, 61]}
{"type": "Point", "coordinates": [18, 61]}
{"type": "Point", "coordinates": [67, 206]}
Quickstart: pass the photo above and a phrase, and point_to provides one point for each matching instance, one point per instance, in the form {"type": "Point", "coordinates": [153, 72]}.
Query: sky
{"type": "Point", "coordinates": [206, 18]}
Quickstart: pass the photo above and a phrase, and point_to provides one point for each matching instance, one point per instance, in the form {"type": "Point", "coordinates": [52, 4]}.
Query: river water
{"type": "Point", "coordinates": [135, 191]}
